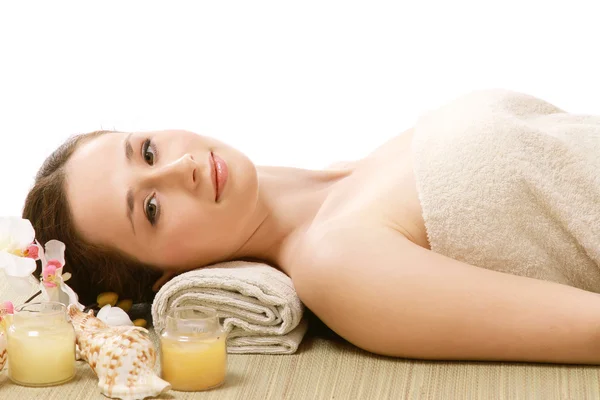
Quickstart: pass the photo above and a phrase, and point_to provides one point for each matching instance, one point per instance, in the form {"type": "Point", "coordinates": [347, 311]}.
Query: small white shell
{"type": "Point", "coordinates": [122, 357]}
{"type": "Point", "coordinates": [114, 316]}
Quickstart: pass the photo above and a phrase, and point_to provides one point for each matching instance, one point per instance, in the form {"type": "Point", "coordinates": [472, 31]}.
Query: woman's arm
{"type": "Point", "coordinates": [342, 165]}
{"type": "Point", "coordinates": [389, 296]}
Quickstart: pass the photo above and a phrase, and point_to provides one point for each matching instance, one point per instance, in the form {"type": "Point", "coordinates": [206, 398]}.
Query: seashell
{"type": "Point", "coordinates": [3, 350]}
{"type": "Point", "coordinates": [122, 357]}
{"type": "Point", "coordinates": [6, 310]}
{"type": "Point", "coordinates": [113, 316]}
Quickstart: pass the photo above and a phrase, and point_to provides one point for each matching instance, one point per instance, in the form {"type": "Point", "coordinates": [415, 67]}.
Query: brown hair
{"type": "Point", "coordinates": [94, 269]}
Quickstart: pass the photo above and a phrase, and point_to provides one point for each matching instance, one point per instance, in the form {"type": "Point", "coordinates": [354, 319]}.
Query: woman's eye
{"type": "Point", "coordinates": [152, 210]}
{"type": "Point", "coordinates": [148, 152]}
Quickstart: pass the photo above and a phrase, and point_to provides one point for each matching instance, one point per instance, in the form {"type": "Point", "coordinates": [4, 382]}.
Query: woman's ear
{"type": "Point", "coordinates": [166, 276]}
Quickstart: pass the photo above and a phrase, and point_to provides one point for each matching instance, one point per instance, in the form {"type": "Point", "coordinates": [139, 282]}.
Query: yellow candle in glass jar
{"type": "Point", "coordinates": [193, 350]}
{"type": "Point", "coordinates": [41, 345]}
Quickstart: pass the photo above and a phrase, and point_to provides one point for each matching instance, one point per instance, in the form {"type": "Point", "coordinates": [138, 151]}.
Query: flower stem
{"type": "Point", "coordinates": [33, 297]}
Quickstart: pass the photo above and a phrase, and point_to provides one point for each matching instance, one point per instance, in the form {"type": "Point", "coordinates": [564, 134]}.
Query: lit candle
{"type": "Point", "coordinates": [41, 345]}
{"type": "Point", "coordinates": [193, 349]}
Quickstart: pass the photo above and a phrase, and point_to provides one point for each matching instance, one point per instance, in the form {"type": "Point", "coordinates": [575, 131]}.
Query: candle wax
{"type": "Point", "coordinates": [39, 358]}
{"type": "Point", "coordinates": [195, 364]}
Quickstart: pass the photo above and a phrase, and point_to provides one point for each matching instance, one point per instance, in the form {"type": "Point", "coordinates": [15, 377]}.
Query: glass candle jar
{"type": "Point", "coordinates": [193, 349]}
{"type": "Point", "coordinates": [41, 345]}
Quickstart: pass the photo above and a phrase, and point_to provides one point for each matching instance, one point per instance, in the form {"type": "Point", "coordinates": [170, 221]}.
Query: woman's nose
{"type": "Point", "coordinates": [181, 172]}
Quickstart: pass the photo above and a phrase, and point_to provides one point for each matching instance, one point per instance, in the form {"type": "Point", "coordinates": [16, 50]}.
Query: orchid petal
{"type": "Point", "coordinates": [33, 251]}
{"type": "Point", "coordinates": [50, 293]}
{"type": "Point", "coordinates": [49, 269]}
{"type": "Point", "coordinates": [68, 296]}
{"type": "Point", "coordinates": [7, 307]}
{"type": "Point", "coordinates": [15, 233]}
{"type": "Point", "coordinates": [16, 266]}
{"type": "Point", "coordinates": [41, 253]}
{"type": "Point", "coordinates": [55, 250]}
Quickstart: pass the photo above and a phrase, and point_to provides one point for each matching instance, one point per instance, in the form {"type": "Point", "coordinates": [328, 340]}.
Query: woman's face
{"type": "Point", "coordinates": [173, 199]}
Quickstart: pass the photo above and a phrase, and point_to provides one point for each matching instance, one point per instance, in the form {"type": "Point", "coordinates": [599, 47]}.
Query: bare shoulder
{"type": "Point", "coordinates": [343, 245]}
{"type": "Point", "coordinates": [350, 235]}
{"type": "Point", "coordinates": [355, 276]}
{"type": "Point", "coordinates": [343, 165]}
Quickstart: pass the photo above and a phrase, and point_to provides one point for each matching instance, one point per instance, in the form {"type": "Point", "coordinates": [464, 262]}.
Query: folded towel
{"type": "Point", "coordinates": [258, 305]}
{"type": "Point", "coordinates": [511, 183]}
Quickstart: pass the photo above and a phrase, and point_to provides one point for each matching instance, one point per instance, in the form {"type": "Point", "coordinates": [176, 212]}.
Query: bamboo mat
{"type": "Point", "coordinates": [326, 367]}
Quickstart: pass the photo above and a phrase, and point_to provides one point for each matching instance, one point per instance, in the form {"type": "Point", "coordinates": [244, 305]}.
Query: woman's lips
{"type": "Point", "coordinates": [219, 174]}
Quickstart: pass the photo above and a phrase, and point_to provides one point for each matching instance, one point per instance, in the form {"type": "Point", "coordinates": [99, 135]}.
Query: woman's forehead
{"type": "Point", "coordinates": [95, 187]}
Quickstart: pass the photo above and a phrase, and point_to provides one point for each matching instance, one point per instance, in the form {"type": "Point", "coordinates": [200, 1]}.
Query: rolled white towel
{"type": "Point", "coordinates": [257, 304]}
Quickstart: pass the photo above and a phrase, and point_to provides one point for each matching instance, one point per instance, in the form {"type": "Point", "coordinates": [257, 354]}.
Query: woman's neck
{"type": "Point", "coordinates": [288, 201]}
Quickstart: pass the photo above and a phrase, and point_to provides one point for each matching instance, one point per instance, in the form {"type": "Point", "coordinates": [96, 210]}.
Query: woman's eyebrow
{"type": "Point", "coordinates": [128, 148]}
{"type": "Point", "coordinates": [130, 203]}
{"type": "Point", "coordinates": [129, 197]}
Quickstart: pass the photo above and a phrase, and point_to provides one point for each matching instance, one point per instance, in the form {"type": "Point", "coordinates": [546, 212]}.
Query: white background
{"type": "Point", "coordinates": [301, 83]}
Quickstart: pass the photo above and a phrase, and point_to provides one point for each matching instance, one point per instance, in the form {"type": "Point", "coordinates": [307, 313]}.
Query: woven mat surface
{"type": "Point", "coordinates": [326, 367]}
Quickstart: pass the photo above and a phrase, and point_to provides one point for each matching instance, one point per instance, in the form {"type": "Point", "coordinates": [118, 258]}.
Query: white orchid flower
{"type": "Point", "coordinates": [53, 280]}
{"type": "Point", "coordinates": [17, 252]}
{"type": "Point", "coordinates": [114, 316]}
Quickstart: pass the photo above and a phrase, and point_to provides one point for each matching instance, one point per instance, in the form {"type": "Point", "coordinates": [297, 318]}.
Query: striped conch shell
{"type": "Point", "coordinates": [122, 357]}
{"type": "Point", "coordinates": [6, 309]}
{"type": "Point", "coordinates": [3, 351]}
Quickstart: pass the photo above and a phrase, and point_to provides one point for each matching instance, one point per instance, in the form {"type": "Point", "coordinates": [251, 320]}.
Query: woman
{"type": "Point", "coordinates": [136, 208]}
